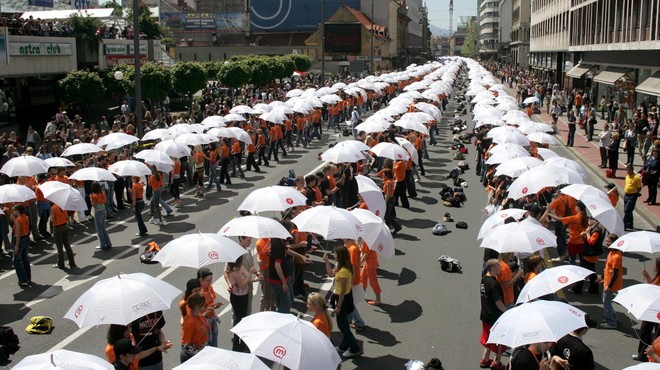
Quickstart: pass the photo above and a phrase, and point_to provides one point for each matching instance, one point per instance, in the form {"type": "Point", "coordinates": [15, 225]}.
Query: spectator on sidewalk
{"type": "Point", "coordinates": [630, 137]}
{"type": "Point", "coordinates": [613, 153]}
{"type": "Point", "coordinates": [603, 143]}
{"type": "Point", "coordinates": [590, 119]}
{"type": "Point", "coordinates": [631, 192]}
{"type": "Point", "coordinates": [571, 128]}
{"type": "Point", "coordinates": [652, 167]}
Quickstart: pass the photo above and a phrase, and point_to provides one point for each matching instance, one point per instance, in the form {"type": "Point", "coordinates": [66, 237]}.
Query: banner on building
{"type": "Point", "coordinates": [343, 38]}
{"type": "Point", "coordinates": [44, 3]}
{"type": "Point", "coordinates": [222, 22]}
{"type": "Point", "coordinates": [4, 59]}
{"type": "Point", "coordinates": [292, 15]}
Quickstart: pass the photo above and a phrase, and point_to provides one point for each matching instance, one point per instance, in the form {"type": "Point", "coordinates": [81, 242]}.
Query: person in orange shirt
{"type": "Point", "coordinates": [369, 274]}
{"type": "Point", "coordinates": [251, 149]}
{"type": "Point", "coordinates": [388, 193]}
{"type": "Point", "coordinates": [354, 253]}
{"type": "Point", "coordinates": [176, 182]}
{"type": "Point", "coordinates": [213, 155]}
{"type": "Point", "coordinates": [300, 130]}
{"type": "Point", "coordinates": [61, 236]}
{"type": "Point", "coordinates": [261, 148]}
{"type": "Point", "coordinates": [33, 212]}
{"type": "Point", "coordinates": [205, 277]}
{"type": "Point", "coordinates": [612, 282]}
{"type": "Point", "coordinates": [21, 246]}
{"type": "Point", "coordinates": [194, 329]}
{"type": "Point", "coordinates": [137, 194]}
{"type": "Point", "coordinates": [288, 134]}
{"type": "Point", "coordinates": [577, 224]}
{"type": "Point", "coordinates": [507, 279]}
{"type": "Point", "coordinates": [99, 200]}
{"type": "Point", "coordinates": [267, 300]}
{"type": "Point", "coordinates": [317, 305]}
{"type": "Point", "coordinates": [198, 164]}
{"type": "Point", "coordinates": [533, 266]}
{"type": "Point", "coordinates": [273, 137]}
{"type": "Point", "coordinates": [401, 186]}
{"type": "Point", "coordinates": [646, 328]}
{"type": "Point", "coordinates": [237, 155]}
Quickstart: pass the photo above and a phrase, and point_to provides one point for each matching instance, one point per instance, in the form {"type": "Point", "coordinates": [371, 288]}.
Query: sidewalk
{"type": "Point", "coordinates": [589, 155]}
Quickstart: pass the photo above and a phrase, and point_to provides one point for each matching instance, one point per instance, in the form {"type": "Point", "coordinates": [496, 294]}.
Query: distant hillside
{"type": "Point", "coordinates": [437, 31]}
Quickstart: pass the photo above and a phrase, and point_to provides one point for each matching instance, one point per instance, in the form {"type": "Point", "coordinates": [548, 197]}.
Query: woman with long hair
{"type": "Point", "coordinates": [205, 277]}
{"type": "Point", "coordinates": [137, 195]}
{"type": "Point", "coordinates": [194, 328]}
{"type": "Point", "coordinates": [342, 299]}
{"type": "Point", "coordinates": [577, 224]}
{"type": "Point", "coordinates": [99, 200]}
{"type": "Point", "coordinates": [156, 182]}
{"type": "Point", "coordinates": [239, 279]}
{"type": "Point", "coordinates": [647, 328]}
{"type": "Point", "coordinates": [317, 305]}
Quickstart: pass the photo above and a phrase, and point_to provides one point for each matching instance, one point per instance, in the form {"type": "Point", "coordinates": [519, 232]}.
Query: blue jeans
{"type": "Point", "coordinates": [348, 340]}
{"type": "Point", "coordinates": [213, 331]}
{"type": "Point", "coordinates": [110, 193]}
{"type": "Point", "coordinates": [100, 215]}
{"type": "Point", "coordinates": [283, 302]}
{"type": "Point", "coordinates": [22, 262]}
{"type": "Point", "coordinates": [213, 177]}
{"type": "Point", "coordinates": [44, 214]}
{"type": "Point", "coordinates": [139, 207]}
{"type": "Point", "coordinates": [355, 318]}
{"type": "Point", "coordinates": [629, 202]}
{"type": "Point", "coordinates": [609, 314]}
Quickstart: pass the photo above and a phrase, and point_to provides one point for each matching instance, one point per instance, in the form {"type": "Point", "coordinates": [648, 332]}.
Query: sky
{"type": "Point", "coordinates": [439, 11]}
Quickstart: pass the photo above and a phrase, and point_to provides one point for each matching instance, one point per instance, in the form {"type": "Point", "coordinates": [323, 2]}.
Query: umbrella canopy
{"type": "Point", "coordinates": [65, 196]}
{"type": "Point", "coordinates": [13, 193]}
{"type": "Point", "coordinates": [25, 165]}
{"type": "Point", "coordinates": [162, 161]}
{"type": "Point", "coordinates": [503, 157]}
{"type": "Point", "coordinates": [524, 236]}
{"type": "Point", "coordinates": [254, 226]}
{"type": "Point", "coordinates": [517, 166]}
{"type": "Point", "coordinates": [540, 177]}
{"type": "Point", "coordinates": [116, 140]}
{"type": "Point", "coordinates": [373, 125]}
{"type": "Point", "coordinates": [214, 121]}
{"type": "Point", "coordinates": [173, 149]}
{"type": "Point", "coordinates": [637, 241]}
{"type": "Point", "coordinates": [192, 139]}
{"type": "Point", "coordinates": [498, 218]}
{"type": "Point", "coordinates": [63, 359]}
{"type": "Point", "coordinates": [92, 174]}
{"type": "Point", "coordinates": [58, 162]}
{"type": "Point", "coordinates": [645, 366]}
{"type": "Point", "coordinates": [508, 148]}
{"type": "Point", "coordinates": [234, 117]}
{"type": "Point", "coordinates": [81, 149]}
{"type": "Point", "coordinates": [287, 340]}
{"type": "Point", "coordinates": [551, 280]}
{"type": "Point", "coordinates": [121, 300]}
{"type": "Point", "coordinates": [330, 222]}
{"type": "Point", "coordinates": [512, 138]}
{"type": "Point", "coordinates": [567, 163]}
{"type": "Point", "coordinates": [375, 233]}
{"type": "Point", "coordinates": [598, 205]}
{"type": "Point", "coordinates": [342, 155]}
{"type": "Point", "coordinates": [531, 100]}
{"type": "Point", "coordinates": [241, 109]}
{"type": "Point", "coordinates": [233, 133]}
{"type": "Point", "coordinates": [129, 168]}
{"type": "Point", "coordinates": [272, 198]}
{"type": "Point", "coordinates": [356, 144]}
{"type": "Point", "coordinates": [199, 250]}
{"type": "Point", "coordinates": [392, 151]}
{"type": "Point", "coordinates": [408, 146]}
{"type": "Point", "coordinates": [542, 138]}
{"type": "Point", "coordinates": [158, 134]}
{"type": "Point", "coordinates": [536, 322]}
{"type": "Point", "coordinates": [546, 153]}
{"type": "Point", "coordinates": [641, 300]}
{"type": "Point", "coordinates": [372, 195]}
{"type": "Point", "coordinates": [413, 123]}
{"type": "Point", "coordinates": [211, 358]}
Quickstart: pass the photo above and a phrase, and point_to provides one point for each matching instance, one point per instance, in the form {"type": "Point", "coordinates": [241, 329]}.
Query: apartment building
{"type": "Point", "coordinates": [489, 24]}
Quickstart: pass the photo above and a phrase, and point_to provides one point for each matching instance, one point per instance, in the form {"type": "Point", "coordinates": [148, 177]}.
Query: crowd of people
{"type": "Point", "coordinates": [36, 27]}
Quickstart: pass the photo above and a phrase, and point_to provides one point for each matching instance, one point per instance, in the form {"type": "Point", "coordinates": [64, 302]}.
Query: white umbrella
{"type": "Point", "coordinates": [498, 218]}
{"type": "Point", "coordinates": [287, 340]}
{"type": "Point", "coordinates": [528, 127]}
{"type": "Point", "coordinates": [408, 146]}
{"type": "Point", "coordinates": [241, 109]}
{"type": "Point", "coordinates": [356, 144]}
{"type": "Point", "coordinates": [375, 233]}
{"type": "Point", "coordinates": [272, 198]}
{"type": "Point", "coordinates": [372, 195]}
{"type": "Point", "coordinates": [234, 117]}
{"type": "Point", "coordinates": [240, 134]}
{"type": "Point", "coordinates": [116, 140]}
{"type": "Point", "coordinates": [13, 193]}
{"type": "Point", "coordinates": [173, 149]}
{"type": "Point", "coordinates": [531, 100]}
{"type": "Point", "coordinates": [211, 358]}
{"type": "Point", "coordinates": [641, 300]}
{"type": "Point", "coordinates": [551, 280]}
{"type": "Point", "coordinates": [294, 93]}
{"type": "Point", "coordinates": [121, 300]}
{"type": "Point", "coordinates": [517, 166]}
{"type": "Point", "coordinates": [158, 134]}
{"type": "Point", "coordinates": [129, 168]}
{"type": "Point", "coordinates": [637, 241]}
{"type": "Point", "coordinates": [214, 121]}
{"type": "Point", "coordinates": [254, 226]}
{"type": "Point", "coordinates": [81, 149]}
{"type": "Point", "coordinates": [275, 116]}
{"type": "Point", "coordinates": [372, 125]}
{"type": "Point", "coordinates": [162, 161]}
{"type": "Point", "coordinates": [198, 250]}
{"type": "Point", "coordinates": [63, 359]}
{"type": "Point", "coordinates": [330, 222]}
{"type": "Point", "coordinates": [502, 130]}
{"type": "Point", "coordinates": [25, 165]}
{"type": "Point", "coordinates": [180, 129]}
{"type": "Point", "coordinates": [192, 139]}
{"type": "Point", "coordinates": [342, 155]}
{"type": "Point", "coordinates": [524, 236]}
{"type": "Point", "coordinates": [412, 125]}
{"type": "Point", "coordinates": [330, 99]}
{"type": "Point", "coordinates": [58, 162]}
{"type": "Point", "coordinates": [392, 151]}
{"type": "Point", "coordinates": [92, 174]}
{"type": "Point", "coordinates": [567, 163]}
{"type": "Point", "coordinates": [542, 138]}
{"type": "Point", "coordinates": [503, 157]}
{"type": "Point", "coordinates": [644, 366]}
{"type": "Point", "coordinates": [546, 153]}
{"type": "Point", "coordinates": [539, 177]}
{"type": "Point", "coordinates": [536, 322]}
{"type": "Point", "coordinates": [65, 196]}
{"type": "Point", "coordinates": [598, 204]}
{"type": "Point", "coordinates": [512, 138]}
{"type": "Point", "coordinates": [507, 147]}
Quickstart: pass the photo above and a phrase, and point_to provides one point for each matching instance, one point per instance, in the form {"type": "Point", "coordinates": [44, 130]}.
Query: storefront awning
{"type": "Point", "coordinates": [650, 86]}
{"type": "Point", "coordinates": [609, 76]}
{"type": "Point", "coordinates": [578, 71]}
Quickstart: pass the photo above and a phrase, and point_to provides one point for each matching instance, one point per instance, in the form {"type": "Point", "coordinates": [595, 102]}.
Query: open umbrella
{"type": "Point", "coordinates": [330, 222]}
{"type": "Point", "coordinates": [241, 109]}
{"type": "Point", "coordinates": [63, 359]}
{"type": "Point", "coordinates": [375, 233]}
{"type": "Point", "coordinates": [342, 155]}
{"type": "Point", "coordinates": [542, 138]}
{"type": "Point", "coordinates": [567, 163]}
{"type": "Point", "coordinates": [531, 100]}
{"type": "Point", "coordinates": [92, 174]}
{"type": "Point", "coordinates": [211, 358]}
{"type": "Point", "coordinates": [498, 218]}
{"type": "Point", "coordinates": [507, 148]}
{"type": "Point", "coordinates": [551, 280]}
{"type": "Point", "coordinates": [408, 146]}
{"type": "Point", "coordinates": [288, 341]}
{"type": "Point", "coordinates": [512, 138]}
{"type": "Point", "coordinates": [515, 167]}
{"type": "Point", "coordinates": [372, 125]}
{"type": "Point", "coordinates": [644, 366]}
{"type": "Point", "coordinates": [355, 144]}
{"type": "Point", "coordinates": [129, 168]}
{"type": "Point", "coordinates": [13, 193]}
{"type": "Point", "coordinates": [199, 250]}
{"type": "Point", "coordinates": [158, 134]}
{"type": "Point", "coordinates": [173, 149]}
{"type": "Point", "coordinates": [539, 177]}
{"type": "Point", "coordinates": [372, 195]}
{"type": "Point", "coordinates": [192, 139]}
{"type": "Point", "coordinates": [231, 117]}
{"type": "Point", "coordinates": [116, 140]}
{"type": "Point", "coordinates": [214, 121]}
{"type": "Point", "coordinates": [536, 322]}
{"type": "Point", "coordinates": [65, 196]}
{"type": "Point", "coordinates": [546, 153]}
{"type": "Point", "coordinates": [414, 121]}
{"type": "Point", "coordinates": [24, 165]}
{"type": "Point", "coordinates": [254, 226]}
{"type": "Point", "coordinates": [81, 149]}
{"type": "Point", "coordinates": [641, 300]}
{"type": "Point", "coordinates": [58, 162]}
{"type": "Point", "coordinates": [121, 300]}
{"type": "Point", "coordinates": [392, 151]}
{"type": "Point", "coordinates": [524, 236]}
{"type": "Point", "coordinates": [503, 157]}
{"type": "Point", "coordinates": [272, 198]}
{"type": "Point", "coordinates": [162, 161]}
{"type": "Point", "coordinates": [598, 205]}
{"type": "Point", "coordinates": [637, 241]}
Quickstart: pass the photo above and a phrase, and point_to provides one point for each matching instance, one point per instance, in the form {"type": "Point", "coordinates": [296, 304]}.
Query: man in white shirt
{"type": "Point", "coordinates": [603, 143]}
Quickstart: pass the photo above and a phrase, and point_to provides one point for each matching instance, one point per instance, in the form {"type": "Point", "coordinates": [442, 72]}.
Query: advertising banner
{"type": "Point", "coordinates": [343, 38]}
{"type": "Point", "coordinates": [40, 49]}
{"type": "Point", "coordinates": [3, 46]}
{"type": "Point", "coordinates": [222, 22]}
{"type": "Point", "coordinates": [44, 3]}
{"type": "Point", "coordinates": [292, 15]}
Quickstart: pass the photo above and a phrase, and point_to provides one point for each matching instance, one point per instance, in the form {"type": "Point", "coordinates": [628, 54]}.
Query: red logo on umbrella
{"type": "Point", "coordinates": [289, 201]}
{"type": "Point", "coordinates": [620, 243]}
{"type": "Point", "coordinates": [226, 229]}
{"type": "Point", "coordinates": [377, 212]}
{"type": "Point", "coordinates": [213, 255]}
{"type": "Point", "coordinates": [540, 241]}
{"type": "Point", "coordinates": [399, 156]}
{"type": "Point", "coordinates": [116, 170]}
{"type": "Point", "coordinates": [279, 352]}
{"type": "Point", "coordinates": [79, 310]}
{"type": "Point", "coordinates": [658, 315]}
{"type": "Point", "coordinates": [504, 215]}
{"type": "Point", "coordinates": [592, 207]}
{"type": "Point", "coordinates": [525, 190]}
{"type": "Point", "coordinates": [380, 247]}
{"type": "Point", "coordinates": [358, 228]}
{"type": "Point", "coordinates": [562, 280]}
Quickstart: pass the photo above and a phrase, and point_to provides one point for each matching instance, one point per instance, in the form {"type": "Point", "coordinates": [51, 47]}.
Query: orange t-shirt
{"type": "Point", "coordinates": [388, 187]}
{"type": "Point", "coordinates": [614, 261]}
{"type": "Point", "coordinates": [60, 217]}
{"type": "Point", "coordinates": [98, 198]}
{"type": "Point", "coordinates": [199, 158]}
{"type": "Point", "coordinates": [155, 184]}
{"type": "Point", "coordinates": [529, 276]}
{"type": "Point", "coordinates": [224, 152]}
{"type": "Point", "coordinates": [400, 171]}
{"type": "Point", "coordinates": [575, 229]}
{"type": "Point", "coordinates": [24, 223]}
{"type": "Point", "coordinates": [263, 253]}
{"type": "Point", "coordinates": [236, 148]}
{"type": "Point", "coordinates": [504, 276]}
{"type": "Point", "coordinates": [139, 190]}
{"type": "Point", "coordinates": [354, 252]}
{"type": "Point", "coordinates": [194, 330]}
{"type": "Point", "coordinates": [320, 322]}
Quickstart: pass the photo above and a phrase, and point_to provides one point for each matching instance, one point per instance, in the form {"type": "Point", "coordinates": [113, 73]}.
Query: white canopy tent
{"type": "Point", "coordinates": [63, 14]}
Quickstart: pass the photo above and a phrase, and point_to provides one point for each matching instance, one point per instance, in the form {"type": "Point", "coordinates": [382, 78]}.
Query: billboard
{"type": "Point", "coordinates": [44, 3]}
{"type": "Point", "coordinates": [222, 22]}
{"type": "Point", "coordinates": [343, 38]}
{"type": "Point", "coordinates": [292, 15]}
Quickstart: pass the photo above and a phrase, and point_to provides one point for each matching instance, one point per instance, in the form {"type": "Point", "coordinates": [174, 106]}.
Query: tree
{"type": "Point", "coordinates": [261, 71]}
{"type": "Point", "coordinates": [82, 87]}
{"type": "Point", "coordinates": [114, 86]}
{"type": "Point", "coordinates": [149, 26]}
{"type": "Point", "coordinates": [156, 81]}
{"type": "Point", "coordinates": [470, 46]}
{"type": "Point", "coordinates": [234, 74]}
{"type": "Point", "coordinates": [277, 69]}
{"type": "Point", "coordinates": [188, 78]}
{"type": "Point", "coordinates": [84, 29]}
{"type": "Point", "coordinates": [212, 69]}
{"type": "Point", "coordinates": [289, 66]}
{"type": "Point", "coordinates": [302, 62]}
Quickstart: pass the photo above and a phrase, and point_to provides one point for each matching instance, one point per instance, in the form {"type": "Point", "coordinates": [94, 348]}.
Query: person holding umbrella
{"type": "Point", "coordinates": [577, 223]}
{"type": "Point", "coordinates": [647, 328]}
{"type": "Point", "coordinates": [492, 307]}
{"type": "Point", "coordinates": [137, 195]}
{"type": "Point", "coordinates": [99, 200]}
{"type": "Point", "coordinates": [612, 279]}
{"type": "Point", "coordinates": [61, 236]}
{"type": "Point", "coordinates": [194, 328]}
{"type": "Point", "coordinates": [536, 356]}
{"type": "Point", "coordinates": [205, 277]}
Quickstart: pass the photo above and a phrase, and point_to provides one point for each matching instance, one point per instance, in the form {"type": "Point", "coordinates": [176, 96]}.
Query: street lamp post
{"type": "Point", "coordinates": [322, 41]}
{"type": "Point", "coordinates": [138, 80]}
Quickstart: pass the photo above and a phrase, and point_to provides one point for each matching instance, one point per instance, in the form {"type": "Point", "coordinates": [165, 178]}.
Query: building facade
{"type": "Point", "coordinates": [506, 24]}
{"type": "Point", "coordinates": [489, 24]}
{"type": "Point", "coordinates": [520, 19]}
{"type": "Point", "coordinates": [549, 38]}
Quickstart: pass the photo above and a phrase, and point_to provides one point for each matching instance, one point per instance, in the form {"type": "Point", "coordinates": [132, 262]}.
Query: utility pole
{"type": "Point", "coordinates": [138, 80]}
{"type": "Point", "coordinates": [451, 16]}
{"type": "Point", "coordinates": [371, 69]}
{"type": "Point", "coordinates": [322, 41]}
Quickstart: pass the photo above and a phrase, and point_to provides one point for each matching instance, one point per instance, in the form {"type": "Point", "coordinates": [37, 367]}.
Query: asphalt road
{"type": "Point", "coordinates": [425, 313]}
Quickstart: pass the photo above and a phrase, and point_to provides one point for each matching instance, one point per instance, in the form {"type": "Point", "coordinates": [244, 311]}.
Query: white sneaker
{"type": "Point", "coordinates": [349, 354]}
{"type": "Point", "coordinates": [159, 223]}
{"type": "Point", "coordinates": [152, 220]}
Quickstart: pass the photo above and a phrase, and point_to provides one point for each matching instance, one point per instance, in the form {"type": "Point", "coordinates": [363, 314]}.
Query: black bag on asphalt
{"type": "Point", "coordinates": [449, 264]}
{"type": "Point", "coordinates": [440, 229]}
{"type": "Point", "coordinates": [461, 225]}
{"type": "Point", "coordinates": [150, 252]}
{"type": "Point", "coordinates": [9, 343]}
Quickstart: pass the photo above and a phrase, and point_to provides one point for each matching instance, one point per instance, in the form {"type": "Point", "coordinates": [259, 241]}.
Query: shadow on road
{"type": "Point", "coordinates": [377, 336]}
{"type": "Point", "coordinates": [13, 312]}
{"type": "Point", "coordinates": [406, 311]}
{"type": "Point", "coordinates": [383, 362]}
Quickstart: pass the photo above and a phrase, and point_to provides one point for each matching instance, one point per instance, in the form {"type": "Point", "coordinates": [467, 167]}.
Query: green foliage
{"type": "Point", "coordinates": [82, 87]}
{"type": "Point", "coordinates": [188, 77]}
{"type": "Point", "coordinates": [84, 29]}
{"type": "Point", "coordinates": [289, 66]}
{"type": "Point", "coordinates": [302, 62]}
{"type": "Point", "coordinates": [276, 68]}
{"type": "Point", "coordinates": [234, 74]}
{"type": "Point", "coordinates": [212, 69]}
{"type": "Point", "coordinates": [149, 26]}
{"type": "Point", "coordinates": [261, 71]}
{"type": "Point", "coordinates": [156, 81]}
{"type": "Point", "coordinates": [470, 46]}
{"type": "Point", "coordinates": [112, 85]}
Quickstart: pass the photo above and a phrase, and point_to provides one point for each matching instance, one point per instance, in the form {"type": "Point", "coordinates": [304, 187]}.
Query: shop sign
{"type": "Point", "coordinates": [39, 49]}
